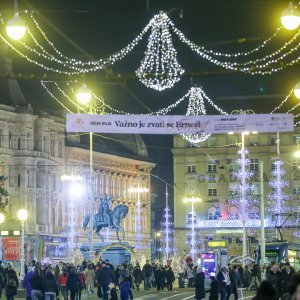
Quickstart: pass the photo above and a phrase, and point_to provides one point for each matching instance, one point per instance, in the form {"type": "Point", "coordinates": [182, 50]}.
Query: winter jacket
{"type": "Point", "coordinates": [275, 279]}
{"type": "Point", "coordinates": [137, 274]}
{"type": "Point", "coordinates": [214, 290]}
{"type": "Point", "coordinates": [73, 282]}
{"type": "Point", "coordinates": [63, 279]}
{"type": "Point", "coordinates": [105, 276]}
{"type": "Point", "coordinates": [36, 282]}
{"type": "Point", "coordinates": [170, 275]}
{"type": "Point", "coordinates": [147, 271]}
{"type": "Point", "coordinates": [12, 283]}
{"type": "Point", "coordinates": [286, 279]}
{"type": "Point", "coordinates": [124, 290]}
{"type": "Point", "coordinates": [50, 284]}
{"type": "Point", "coordinates": [27, 284]}
{"type": "Point", "coordinates": [199, 284]}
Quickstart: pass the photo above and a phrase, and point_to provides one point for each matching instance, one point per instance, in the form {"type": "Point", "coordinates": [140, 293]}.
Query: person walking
{"type": "Point", "coordinates": [137, 275]}
{"type": "Point", "coordinates": [104, 277]}
{"type": "Point", "coordinates": [287, 274]}
{"type": "Point", "coordinates": [254, 277]}
{"type": "Point", "coordinates": [124, 288]}
{"type": "Point", "coordinates": [73, 284]}
{"type": "Point", "coordinates": [26, 282]}
{"type": "Point", "coordinates": [90, 279]}
{"type": "Point", "coordinates": [224, 282]}
{"type": "Point", "coordinates": [234, 279]}
{"type": "Point", "coordinates": [170, 278]}
{"type": "Point", "coordinates": [36, 282]}
{"type": "Point", "coordinates": [62, 281]}
{"type": "Point", "coordinates": [214, 289]}
{"type": "Point", "coordinates": [265, 291]}
{"type": "Point", "coordinates": [50, 286]}
{"type": "Point", "coordinates": [190, 276]}
{"type": "Point", "coordinates": [11, 283]}
{"type": "Point", "coordinates": [147, 274]}
{"type": "Point", "coordinates": [274, 277]}
{"type": "Point", "coordinates": [199, 284]}
{"type": "Point", "coordinates": [81, 277]}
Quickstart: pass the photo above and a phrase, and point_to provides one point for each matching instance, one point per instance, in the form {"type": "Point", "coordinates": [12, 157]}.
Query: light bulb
{"type": "Point", "coordinates": [22, 215]}
{"type": "Point", "coordinates": [297, 90]}
{"type": "Point", "coordinates": [84, 94]}
{"type": "Point", "coordinates": [15, 27]}
{"type": "Point", "coordinates": [290, 17]}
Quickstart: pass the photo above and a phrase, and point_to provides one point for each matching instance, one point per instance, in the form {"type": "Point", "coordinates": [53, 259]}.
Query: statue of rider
{"type": "Point", "coordinates": [104, 210]}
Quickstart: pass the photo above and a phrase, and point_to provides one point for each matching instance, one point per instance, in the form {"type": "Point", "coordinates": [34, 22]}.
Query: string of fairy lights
{"type": "Point", "coordinates": [159, 69]}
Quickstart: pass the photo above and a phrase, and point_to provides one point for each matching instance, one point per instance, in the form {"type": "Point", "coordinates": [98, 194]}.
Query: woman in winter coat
{"type": "Point", "coordinates": [36, 283]}
{"type": "Point", "coordinates": [62, 281]}
{"type": "Point", "coordinates": [81, 277]}
{"type": "Point", "coordinates": [73, 284]}
{"type": "Point", "coordinates": [11, 283]}
{"type": "Point", "coordinates": [275, 279]}
{"type": "Point", "coordinates": [199, 284]}
{"type": "Point", "coordinates": [90, 279]}
{"type": "Point", "coordinates": [124, 288]}
{"type": "Point", "coordinates": [137, 274]}
{"type": "Point", "coordinates": [50, 287]}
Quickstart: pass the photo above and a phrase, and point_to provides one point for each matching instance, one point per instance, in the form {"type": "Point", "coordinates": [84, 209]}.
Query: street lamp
{"type": "Point", "coordinates": [2, 218]}
{"type": "Point", "coordinates": [15, 27]}
{"type": "Point", "coordinates": [22, 216]}
{"type": "Point", "coordinates": [157, 245]}
{"type": "Point", "coordinates": [138, 190]}
{"type": "Point", "coordinates": [290, 17]}
{"type": "Point", "coordinates": [297, 90]}
{"type": "Point", "coordinates": [84, 96]}
{"type": "Point", "coordinates": [192, 198]}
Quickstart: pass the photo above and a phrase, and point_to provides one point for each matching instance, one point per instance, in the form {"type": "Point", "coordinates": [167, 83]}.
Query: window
{"type": "Point", "coordinates": [1, 133]}
{"type": "Point", "coordinates": [232, 167]}
{"type": "Point", "coordinates": [253, 140]}
{"type": "Point", "coordinates": [232, 140]}
{"type": "Point", "coordinates": [296, 139]}
{"type": "Point", "coordinates": [212, 192]}
{"type": "Point", "coordinates": [255, 188]}
{"type": "Point", "coordinates": [52, 149]}
{"type": "Point", "coordinates": [273, 140]}
{"type": "Point", "coordinates": [60, 149]}
{"type": "Point", "coordinates": [53, 217]}
{"type": "Point", "coordinates": [192, 217]}
{"type": "Point", "coordinates": [254, 164]}
{"type": "Point", "coordinates": [60, 217]}
{"type": "Point", "coordinates": [19, 143]}
{"type": "Point", "coordinates": [54, 182]}
{"type": "Point", "coordinates": [45, 144]}
{"type": "Point", "coordinates": [296, 190]}
{"type": "Point", "coordinates": [191, 169]}
{"type": "Point", "coordinates": [211, 166]}
{"type": "Point", "coordinates": [211, 142]}
{"type": "Point", "coordinates": [9, 140]}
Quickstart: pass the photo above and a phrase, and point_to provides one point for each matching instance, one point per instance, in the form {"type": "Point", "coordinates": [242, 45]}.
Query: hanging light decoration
{"type": "Point", "coordinates": [290, 17]}
{"type": "Point", "coordinates": [15, 27]}
{"type": "Point", "coordinates": [195, 108]}
{"type": "Point", "coordinates": [160, 69]}
{"type": "Point", "coordinates": [297, 90]}
{"type": "Point", "coordinates": [84, 94]}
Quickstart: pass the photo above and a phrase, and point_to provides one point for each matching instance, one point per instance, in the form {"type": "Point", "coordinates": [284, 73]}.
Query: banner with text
{"type": "Point", "coordinates": [11, 249]}
{"type": "Point", "coordinates": [169, 124]}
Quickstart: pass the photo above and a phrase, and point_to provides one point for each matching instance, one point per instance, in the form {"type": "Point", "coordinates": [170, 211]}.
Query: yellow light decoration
{"type": "Point", "coordinates": [290, 17]}
{"type": "Point", "coordinates": [297, 90]}
{"type": "Point", "coordinates": [84, 94]}
{"type": "Point", "coordinates": [15, 27]}
{"type": "Point", "coordinates": [22, 215]}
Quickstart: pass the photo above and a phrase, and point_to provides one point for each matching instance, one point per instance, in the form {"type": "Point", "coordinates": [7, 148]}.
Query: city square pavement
{"type": "Point", "coordinates": [176, 294]}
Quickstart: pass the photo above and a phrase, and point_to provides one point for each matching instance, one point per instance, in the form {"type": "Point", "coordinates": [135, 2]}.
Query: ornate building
{"type": "Point", "coordinates": [35, 153]}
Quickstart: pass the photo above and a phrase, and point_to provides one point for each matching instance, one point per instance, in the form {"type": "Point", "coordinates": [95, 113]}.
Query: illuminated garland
{"type": "Point", "coordinates": [277, 198]}
{"type": "Point", "coordinates": [283, 101]}
{"type": "Point", "coordinates": [195, 108]}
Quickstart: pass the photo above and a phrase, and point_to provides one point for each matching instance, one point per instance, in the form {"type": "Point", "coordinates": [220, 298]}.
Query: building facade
{"type": "Point", "coordinates": [208, 169]}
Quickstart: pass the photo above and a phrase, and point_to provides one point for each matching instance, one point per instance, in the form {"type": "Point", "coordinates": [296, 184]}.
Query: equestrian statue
{"type": "Point", "coordinates": [105, 217]}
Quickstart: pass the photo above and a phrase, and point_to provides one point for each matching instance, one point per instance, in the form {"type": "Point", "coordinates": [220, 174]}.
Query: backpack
{"type": "Point", "coordinates": [11, 283]}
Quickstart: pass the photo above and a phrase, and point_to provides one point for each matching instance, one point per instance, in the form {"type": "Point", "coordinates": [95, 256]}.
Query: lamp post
{"type": "Point", "coordinates": [192, 198]}
{"type": "Point", "coordinates": [290, 17]}
{"type": "Point", "coordinates": [139, 190]}
{"type": "Point", "coordinates": [84, 96]}
{"type": "Point", "coordinates": [22, 216]}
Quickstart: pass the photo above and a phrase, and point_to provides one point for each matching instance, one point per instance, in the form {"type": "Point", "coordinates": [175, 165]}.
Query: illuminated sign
{"type": "Point", "coordinates": [216, 244]}
{"type": "Point", "coordinates": [228, 231]}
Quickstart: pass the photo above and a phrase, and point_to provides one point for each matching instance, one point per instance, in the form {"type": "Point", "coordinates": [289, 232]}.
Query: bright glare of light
{"type": "Point", "coordinates": [15, 27]}
{"type": "Point", "coordinates": [138, 190]}
{"type": "Point", "coordinates": [246, 132]}
{"type": "Point", "coordinates": [71, 177]}
{"type": "Point", "coordinates": [77, 189]}
{"type": "Point", "coordinates": [230, 132]}
{"type": "Point", "coordinates": [297, 90]}
{"type": "Point", "coordinates": [2, 218]}
{"type": "Point", "coordinates": [290, 17]}
{"type": "Point", "coordinates": [193, 199]}
{"type": "Point", "coordinates": [158, 234]}
{"type": "Point", "coordinates": [254, 132]}
{"type": "Point", "coordinates": [297, 154]}
{"type": "Point", "coordinates": [84, 94]}
{"type": "Point", "coordinates": [22, 214]}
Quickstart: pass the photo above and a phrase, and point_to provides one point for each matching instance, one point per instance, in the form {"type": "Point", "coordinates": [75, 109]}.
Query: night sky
{"type": "Point", "coordinates": [94, 29]}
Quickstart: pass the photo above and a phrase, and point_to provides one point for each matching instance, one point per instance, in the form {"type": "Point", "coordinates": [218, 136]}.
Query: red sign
{"type": "Point", "coordinates": [11, 248]}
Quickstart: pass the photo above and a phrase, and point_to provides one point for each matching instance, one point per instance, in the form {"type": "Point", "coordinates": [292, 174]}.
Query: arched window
{"type": "Point", "coordinates": [53, 217]}
{"type": "Point", "coordinates": [60, 217]}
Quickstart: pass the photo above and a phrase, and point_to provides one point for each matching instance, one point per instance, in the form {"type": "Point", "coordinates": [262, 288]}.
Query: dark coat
{"type": "Point", "coordinates": [233, 280]}
{"type": "Point", "coordinates": [50, 284]}
{"type": "Point", "coordinates": [170, 277]}
{"type": "Point", "coordinates": [275, 279]}
{"type": "Point", "coordinates": [10, 288]}
{"type": "Point", "coordinates": [36, 282]}
{"type": "Point", "coordinates": [286, 280]}
{"type": "Point", "coordinates": [105, 276]}
{"type": "Point", "coordinates": [27, 284]}
{"type": "Point", "coordinates": [73, 282]}
{"type": "Point", "coordinates": [214, 290]}
{"type": "Point", "coordinates": [199, 284]}
{"type": "Point", "coordinates": [222, 284]}
{"type": "Point", "coordinates": [124, 290]}
{"type": "Point", "coordinates": [137, 274]}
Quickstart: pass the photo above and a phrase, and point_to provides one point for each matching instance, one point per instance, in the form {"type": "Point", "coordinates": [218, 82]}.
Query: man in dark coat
{"type": "Point", "coordinates": [104, 277]}
{"type": "Point", "coordinates": [73, 284]}
{"type": "Point", "coordinates": [199, 284]}
{"type": "Point", "coordinates": [287, 275]}
{"type": "Point", "coordinates": [214, 289]}
{"type": "Point", "coordinates": [170, 277]}
{"type": "Point", "coordinates": [147, 274]}
{"type": "Point", "coordinates": [275, 279]}
{"type": "Point", "coordinates": [233, 275]}
{"type": "Point", "coordinates": [224, 282]}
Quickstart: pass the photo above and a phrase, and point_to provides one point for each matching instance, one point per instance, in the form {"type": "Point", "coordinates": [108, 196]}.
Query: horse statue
{"type": "Point", "coordinates": [108, 219]}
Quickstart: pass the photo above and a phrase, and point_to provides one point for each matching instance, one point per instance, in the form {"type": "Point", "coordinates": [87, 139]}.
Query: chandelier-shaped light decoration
{"type": "Point", "coordinates": [160, 69]}
{"type": "Point", "coordinates": [278, 198]}
{"type": "Point", "coordinates": [195, 108]}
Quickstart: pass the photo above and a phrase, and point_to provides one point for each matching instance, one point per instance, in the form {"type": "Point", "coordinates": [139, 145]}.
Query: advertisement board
{"type": "Point", "coordinates": [11, 249]}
